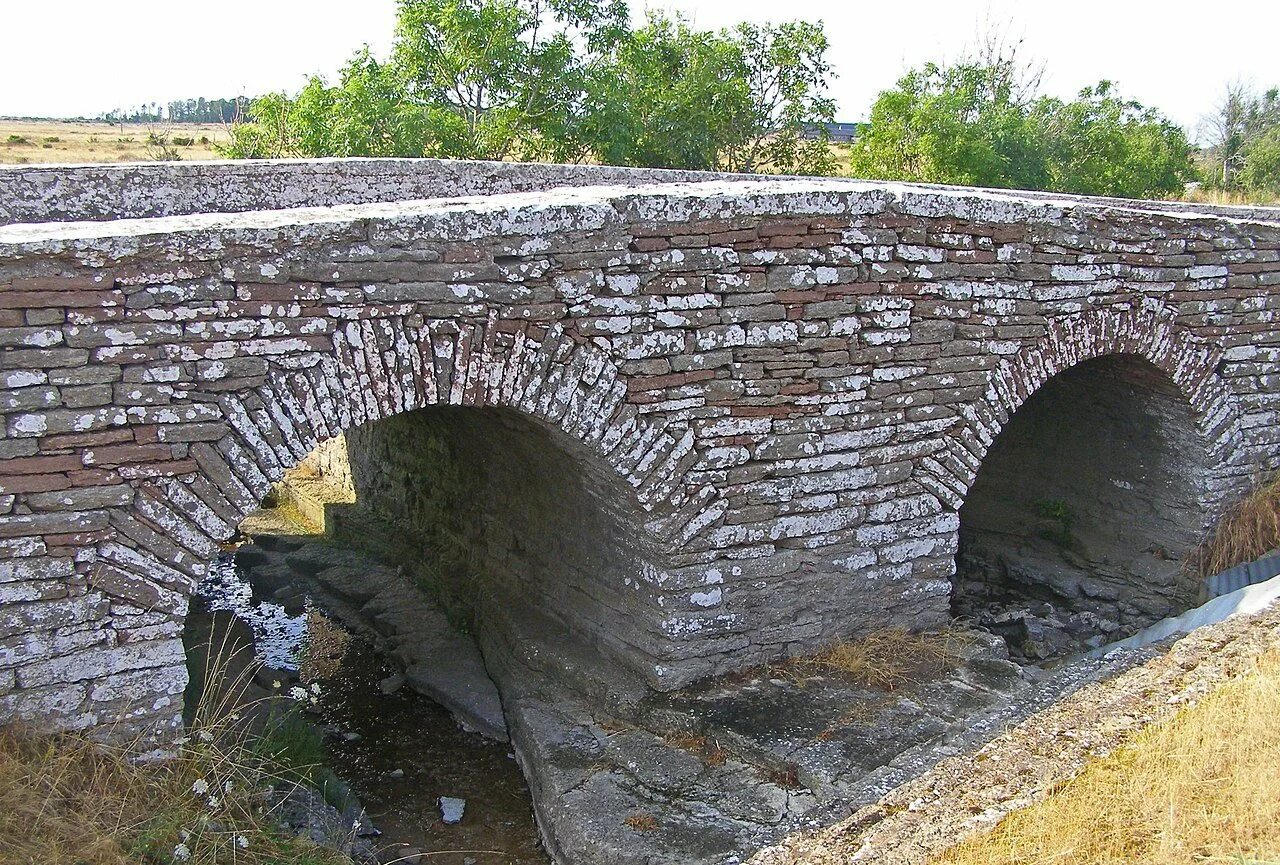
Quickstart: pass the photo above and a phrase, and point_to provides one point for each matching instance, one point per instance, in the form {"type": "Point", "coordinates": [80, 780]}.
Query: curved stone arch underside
{"type": "Point", "coordinates": [378, 368]}
{"type": "Point", "coordinates": [1148, 332]}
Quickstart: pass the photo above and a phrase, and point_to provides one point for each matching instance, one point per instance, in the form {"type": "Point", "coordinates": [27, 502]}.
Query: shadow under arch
{"type": "Point", "coordinates": [1086, 505]}
{"type": "Point", "coordinates": [511, 525]}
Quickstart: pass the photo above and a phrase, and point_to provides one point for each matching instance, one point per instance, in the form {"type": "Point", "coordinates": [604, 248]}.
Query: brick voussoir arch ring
{"type": "Point", "coordinates": [1149, 332]}
{"type": "Point", "coordinates": [381, 367]}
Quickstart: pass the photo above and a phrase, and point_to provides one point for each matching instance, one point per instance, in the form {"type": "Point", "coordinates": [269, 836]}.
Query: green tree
{"type": "Point", "coordinates": [1243, 121]}
{"type": "Point", "coordinates": [960, 124]}
{"type": "Point", "coordinates": [787, 73]}
{"type": "Point", "coordinates": [748, 99]}
{"type": "Point", "coordinates": [564, 80]}
{"type": "Point", "coordinates": [974, 123]}
{"type": "Point", "coordinates": [1260, 172]}
{"type": "Point", "coordinates": [480, 79]}
{"type": "Point", "coordinates": [666, 97]}
{"type": "Point", "coordinates": [1100, 144]}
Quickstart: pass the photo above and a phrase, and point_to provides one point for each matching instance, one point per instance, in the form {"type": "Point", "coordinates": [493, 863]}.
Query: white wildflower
{"type": "Point", "coordinates": [205, 736]}
{"type": "Point", "coordinates": [275, 683]}
{"type": "Point", "coordinates": [297, 693]}
{"type": "Point", "coordinates": [200, 787]}
{"type": "Point", "coordinates": [182, 853]}
{"type": "Point", "coordinates": [242, 842]}
{"type": "Point", "coordinates": [226, 786]}
{"type": "Point", "coordinates": [214, 801]}
{"type": "Point", "coordinates": [315, 687]}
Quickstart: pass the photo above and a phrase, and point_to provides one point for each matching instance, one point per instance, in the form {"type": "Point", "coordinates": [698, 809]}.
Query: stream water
{"type": "Point", "coordinates": [400, 752]}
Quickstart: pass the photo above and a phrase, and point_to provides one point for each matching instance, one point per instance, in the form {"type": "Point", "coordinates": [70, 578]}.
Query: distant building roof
{"type": "Point", "coordinates": [840, 133]}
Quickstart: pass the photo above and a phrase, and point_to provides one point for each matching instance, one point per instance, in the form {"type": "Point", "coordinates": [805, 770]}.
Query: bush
{"type": "Point", "coordinates": [1261, 171]}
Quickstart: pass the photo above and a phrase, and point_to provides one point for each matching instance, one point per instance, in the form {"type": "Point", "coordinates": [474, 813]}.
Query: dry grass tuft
{"type": "Point", "coordinates": [64, 798]}
{"type": "Point", "coordinates": [1203, 787]}
{"type": "Point", "coordinates": [888, 658]}
{"type": "Point", "coordinates": [642, 822]}
{"type": "Point", "coordinates": [1250, 529]}
{"type": "Point", "coordinates": [705, 749]}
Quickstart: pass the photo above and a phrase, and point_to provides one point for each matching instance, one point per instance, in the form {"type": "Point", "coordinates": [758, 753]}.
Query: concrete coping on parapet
{"type": "Point", "coordinates": [573, 208]}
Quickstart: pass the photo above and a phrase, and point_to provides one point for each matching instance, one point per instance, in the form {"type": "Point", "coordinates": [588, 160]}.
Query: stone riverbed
{"type": "Point", "coordinates": [560, 757]}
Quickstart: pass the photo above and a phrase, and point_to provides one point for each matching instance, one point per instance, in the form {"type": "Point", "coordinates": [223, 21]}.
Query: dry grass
{"type": "Point", "coordinates": [705, 749]}
{"type": "Point", "coordinates": [1202, 195]}
{"type": "Point", "coordinates": [65, 141]}
{"type": "Point", "coordinates": [1203, 787]}
{"type": "Point", "coordinates": [642, 822]}
{"type": "Point", "coordinates": [886, 659]}
{"type": "Point", "coordinates": [67, 799]}
{"type": "Point", "coordinates": [1250, 529]}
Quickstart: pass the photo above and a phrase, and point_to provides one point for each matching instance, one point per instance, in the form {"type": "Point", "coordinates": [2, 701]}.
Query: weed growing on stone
{"type": "Point", "coordinates": [1060, 518]}
{"type": "Point", "coordinates": [886, 659]}
{"type": "Point", "coordinates": [1248, 530]}
{"type": "Point", "coordinates": [705, 749]}
{"type": "Point", "coordinates": [642, 822]}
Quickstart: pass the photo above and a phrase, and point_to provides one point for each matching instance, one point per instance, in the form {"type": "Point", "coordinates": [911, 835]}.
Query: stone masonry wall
{"type": "Point", "coordinates": [59, 193]}
{"type": "Point", "coordinates": [796, 380]}
{"type": "Point", "coordinates": [64, 193]}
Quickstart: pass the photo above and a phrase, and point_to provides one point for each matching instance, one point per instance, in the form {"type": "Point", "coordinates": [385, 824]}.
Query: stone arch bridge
{"type": "Point", "coordinates": [700, 421]}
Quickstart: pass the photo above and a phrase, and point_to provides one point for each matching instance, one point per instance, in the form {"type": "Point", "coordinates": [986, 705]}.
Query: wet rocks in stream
{"type": "Point", "coordinates": [390, 753]}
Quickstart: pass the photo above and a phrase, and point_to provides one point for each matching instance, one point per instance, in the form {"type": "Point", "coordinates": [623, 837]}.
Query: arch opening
{"type": "Point", "coordinates": [471, 555]}
{"type": "Point", "coordinates": [1075, 529]}
{"type": "Point", "coordinates": [500, 517]}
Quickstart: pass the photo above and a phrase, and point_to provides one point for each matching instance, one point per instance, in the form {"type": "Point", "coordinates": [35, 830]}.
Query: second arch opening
{"type": "Point", "coordinates": [1076, 528]}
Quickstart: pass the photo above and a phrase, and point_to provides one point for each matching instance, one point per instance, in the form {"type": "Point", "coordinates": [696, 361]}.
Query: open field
{"type": "Point", "coordinates": [63, 141]}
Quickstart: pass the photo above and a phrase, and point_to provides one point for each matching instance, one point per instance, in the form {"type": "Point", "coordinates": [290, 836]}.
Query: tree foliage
{"type": "Point", "coordinates": [979, 123]}
{"type": "Point", "coordinates": [1244, 134]}
{"type": "Point", "coordinates": [1260, 172]}
{"type": "Point", "coordinates": [566, 80]}
{"type": "Point", "coordinates": [667, 96]}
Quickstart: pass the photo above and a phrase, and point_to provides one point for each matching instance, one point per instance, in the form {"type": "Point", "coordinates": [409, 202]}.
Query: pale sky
{"type": "Point", "coordinates": [83, 57]}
